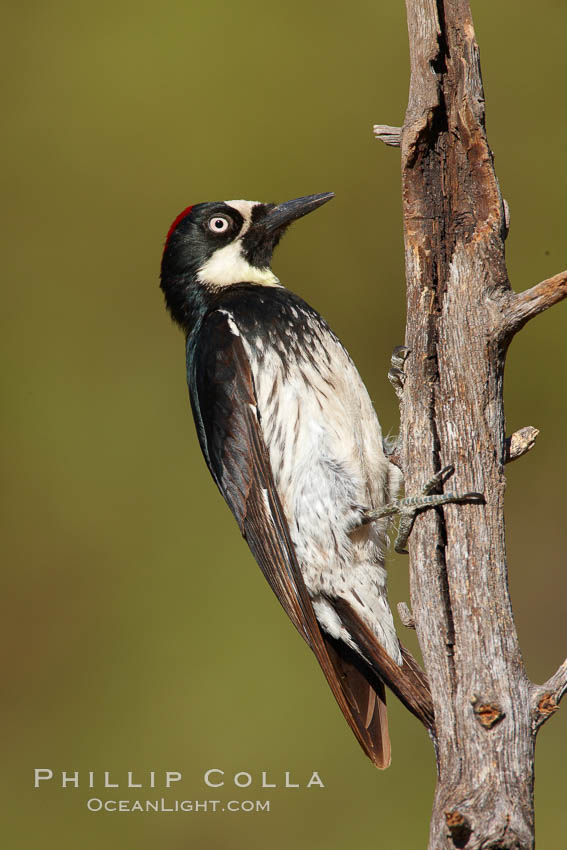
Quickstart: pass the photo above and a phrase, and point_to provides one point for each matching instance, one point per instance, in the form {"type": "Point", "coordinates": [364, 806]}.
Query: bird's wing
{"type": "Point", "coordinates": [225, 408]}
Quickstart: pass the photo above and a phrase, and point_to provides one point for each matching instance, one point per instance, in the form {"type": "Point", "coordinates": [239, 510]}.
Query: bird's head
{"type": "Point", "coordinates": [215, 245]}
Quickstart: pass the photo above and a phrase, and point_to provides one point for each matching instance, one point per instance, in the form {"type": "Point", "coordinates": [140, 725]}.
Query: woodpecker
{"type": "Point", "coordinates": [294, 445]}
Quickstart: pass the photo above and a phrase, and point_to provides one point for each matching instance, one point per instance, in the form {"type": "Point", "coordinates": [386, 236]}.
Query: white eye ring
{"type": "Point", "coordinates": [218, 224]}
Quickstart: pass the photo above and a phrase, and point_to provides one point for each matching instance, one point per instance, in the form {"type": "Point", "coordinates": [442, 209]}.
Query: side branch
{"type": "Point", "coordinates": [525, 305]}
{"type": "Point", "coordinates": [519, 443]}
{"type": "Point", "coordinates": [546, 698]}
{"type": "Point", "coordinates": [391, 136]}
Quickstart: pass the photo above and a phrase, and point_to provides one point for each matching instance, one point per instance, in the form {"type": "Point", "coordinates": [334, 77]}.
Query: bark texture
{"type": "Point", "coordinates": [461, 316]}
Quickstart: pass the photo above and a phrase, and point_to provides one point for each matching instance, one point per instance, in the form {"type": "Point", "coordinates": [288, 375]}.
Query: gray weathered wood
{"type": "Point", "coordinates": [519, 443]}
{"type": "Point", "coordinates": [391, 136]}
{"type": "Point", "coordinates": [461, 316]}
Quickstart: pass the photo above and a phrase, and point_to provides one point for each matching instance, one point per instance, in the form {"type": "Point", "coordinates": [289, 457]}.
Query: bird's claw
{"type": "Point", "coordinates": [408, 507]}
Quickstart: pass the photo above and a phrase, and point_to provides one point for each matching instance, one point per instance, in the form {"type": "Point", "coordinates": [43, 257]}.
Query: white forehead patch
{"type": "Point", "coordinates": [228, 266]}
{"type": "Point", "coordinates": [245, 209]}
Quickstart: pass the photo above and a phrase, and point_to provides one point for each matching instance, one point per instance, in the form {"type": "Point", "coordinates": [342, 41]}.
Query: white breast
{"type": "Point", "coordinates": [327, 457]}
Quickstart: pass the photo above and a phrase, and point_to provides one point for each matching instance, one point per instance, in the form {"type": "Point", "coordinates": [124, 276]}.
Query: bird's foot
{"type": "Point", "coordinates": [409, 507]}
{"type": "Point", "coordinates": [396, 375]}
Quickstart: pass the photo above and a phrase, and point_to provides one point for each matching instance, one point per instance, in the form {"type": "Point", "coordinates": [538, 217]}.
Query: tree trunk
{"type": "Point", "coordinates": [461, 316]}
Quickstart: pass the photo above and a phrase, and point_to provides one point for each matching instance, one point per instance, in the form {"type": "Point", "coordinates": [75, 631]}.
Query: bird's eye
{"type": "Point", "coordinates": [219, 224]}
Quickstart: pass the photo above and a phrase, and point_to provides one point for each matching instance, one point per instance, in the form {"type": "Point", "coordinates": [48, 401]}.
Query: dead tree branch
{"type": "Point", "coordinates": [461, 316]}
{"type": "Point", "coordinates": [405, 615]}
{"type": "Point", "coordinates": [520, 443]}
{"type": "Point", "coordinates": [546, 698]}
{"type": "Point", "coordinates": [391, 136]}
{"type": "Point", "coordinates": [525, 305]}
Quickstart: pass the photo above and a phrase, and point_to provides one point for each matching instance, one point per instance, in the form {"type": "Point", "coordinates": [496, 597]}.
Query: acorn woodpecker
{"type": "Point", "coordinates": [292, 441]}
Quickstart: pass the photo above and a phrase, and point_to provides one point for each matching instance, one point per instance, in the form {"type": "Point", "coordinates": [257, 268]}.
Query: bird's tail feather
{"type": "Point", "coordinates": [407, 681]}
{"type": "Point", "coordinates": [366, 699]}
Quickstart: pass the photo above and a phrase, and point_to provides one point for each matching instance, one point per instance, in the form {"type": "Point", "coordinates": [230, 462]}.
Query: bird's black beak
{"type": "Point", "coordinates": [285, 213]}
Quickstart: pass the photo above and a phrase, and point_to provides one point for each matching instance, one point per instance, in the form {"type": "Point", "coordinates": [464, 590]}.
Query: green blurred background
{"type": "Point", "coordinates": [139, 632]}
